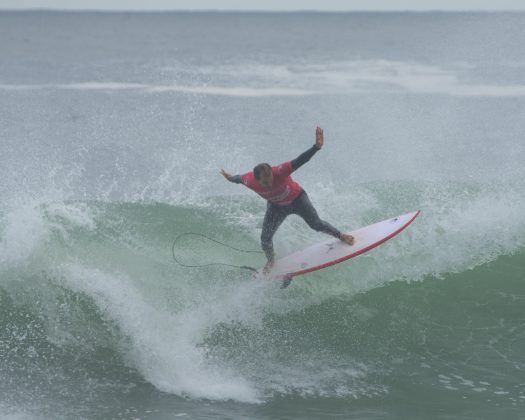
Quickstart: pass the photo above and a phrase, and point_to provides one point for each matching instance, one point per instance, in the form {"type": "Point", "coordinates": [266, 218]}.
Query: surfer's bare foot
{"type": "Point", "coordinates": [286, 282]}
{"type": "Point", "coordinates": [349, 239]}
{"type": "Point", "coordinates": [268, 267]}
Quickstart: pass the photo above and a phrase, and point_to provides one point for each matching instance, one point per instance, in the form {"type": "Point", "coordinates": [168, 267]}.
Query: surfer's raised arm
{"type": "Point", "coordinates": [306, 156]}
{"type": "Point", "coordinates": [236, 179]}
{"type": "Point", "coordinates": [285, 168]}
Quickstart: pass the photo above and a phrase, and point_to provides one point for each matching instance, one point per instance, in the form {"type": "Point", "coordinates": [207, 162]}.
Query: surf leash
{"type": "Point", "coordinates": [242, 267]}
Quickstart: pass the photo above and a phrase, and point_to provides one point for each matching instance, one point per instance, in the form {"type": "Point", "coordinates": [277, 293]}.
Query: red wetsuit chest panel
{"type": "Point", "coordinates": [284, 189]}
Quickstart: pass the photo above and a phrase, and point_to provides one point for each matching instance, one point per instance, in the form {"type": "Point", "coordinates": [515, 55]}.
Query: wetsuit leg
{"type": "Point", "coordinates": [303, 207]}
{"type": "Point", "coordinates": [273, 218]}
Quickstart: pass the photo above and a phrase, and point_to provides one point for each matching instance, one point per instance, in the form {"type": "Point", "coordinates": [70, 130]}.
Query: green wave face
{"type": "Point", "coordinates": [93, 305]}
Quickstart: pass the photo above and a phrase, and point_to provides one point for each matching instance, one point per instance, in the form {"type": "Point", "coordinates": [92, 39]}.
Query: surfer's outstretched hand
{"type": "Point", "coordinates": [225, 174]}
{"type": "Point", "coordinates": [319, 137]}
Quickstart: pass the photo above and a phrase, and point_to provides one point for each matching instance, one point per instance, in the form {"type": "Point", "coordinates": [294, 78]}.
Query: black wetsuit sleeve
{"type": "Point", "coordinates": [304, 157]}
{"type": "Point", "coordinates": [236, 179]}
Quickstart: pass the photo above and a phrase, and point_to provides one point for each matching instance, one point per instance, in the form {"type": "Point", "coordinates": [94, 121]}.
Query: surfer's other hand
{"type": "Point", "coordinates": [319, 137]}
{"type": "Point", "coordinates": [349, 239]}
{"type": "Point", "coordinates": [225, 174]}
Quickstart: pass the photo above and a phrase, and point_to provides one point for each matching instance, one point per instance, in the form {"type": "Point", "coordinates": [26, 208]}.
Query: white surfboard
{"type": "Point", "coordinates": [334, 251]}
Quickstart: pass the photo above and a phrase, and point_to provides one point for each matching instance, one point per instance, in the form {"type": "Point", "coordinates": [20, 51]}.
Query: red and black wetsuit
{"type": "Point", "coordinates": [285, 197]}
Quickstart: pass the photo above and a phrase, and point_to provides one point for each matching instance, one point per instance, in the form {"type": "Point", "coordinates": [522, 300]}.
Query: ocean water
{"type": "Point", "coordinates": [113, 130]}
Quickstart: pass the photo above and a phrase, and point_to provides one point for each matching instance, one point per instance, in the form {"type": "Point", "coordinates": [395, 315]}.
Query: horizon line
{"type": "Point", "coordinates": [51, 9]}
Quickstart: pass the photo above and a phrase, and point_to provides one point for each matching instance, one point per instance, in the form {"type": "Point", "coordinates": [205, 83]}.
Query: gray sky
{"type": "Point", "coordinates": [327, 5]}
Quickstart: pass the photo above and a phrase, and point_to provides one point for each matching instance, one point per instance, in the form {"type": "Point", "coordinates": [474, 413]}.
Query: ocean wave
{"type": "Point", "coordinates": [217, 334]}
{"type": "Point", "coordinates": [344, 77]}
{"type": "Point", "coordinates": [229, 338]}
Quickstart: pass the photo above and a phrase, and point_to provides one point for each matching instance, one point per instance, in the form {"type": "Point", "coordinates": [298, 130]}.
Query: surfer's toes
{"type": "Point", "coordinates": [286, 282]}
{"type": "Point", "coordinates": [267, 268]}
{"type": "Point", "coordinates": [349, 239]}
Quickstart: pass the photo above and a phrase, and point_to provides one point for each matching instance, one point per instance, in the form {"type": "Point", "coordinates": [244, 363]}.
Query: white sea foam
{"type": "Point", "coordinates": [233, 91]}
{"type": "Point", "coordinates": [29, 224]}
{"type": "Point", "coordinates": [165, 346]}
{"type": "Point", "coordinates": [168, 344]}
{"type": "Point", "coordinates": [362, 76]}
{"type": "Point", "coordinates": [241, 91]}
{"type": "Point", "coordinates": [345, 77]}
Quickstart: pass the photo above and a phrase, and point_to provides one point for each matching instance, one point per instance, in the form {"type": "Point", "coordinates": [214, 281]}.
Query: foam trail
{"type": "Point", "coordinates": [241, 92]}
{"type": "Point", "coordinates": [164, 346]}
{"type": "Point", "coordinates": [234, 91]}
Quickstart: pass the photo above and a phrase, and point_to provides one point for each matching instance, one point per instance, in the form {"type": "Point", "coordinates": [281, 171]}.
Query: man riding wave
{"type": "Point", "coordinates": [284, 197]}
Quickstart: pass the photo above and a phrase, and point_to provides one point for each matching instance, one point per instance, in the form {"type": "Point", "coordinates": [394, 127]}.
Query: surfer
{"type": "Point", "coordinates": [284, 197]}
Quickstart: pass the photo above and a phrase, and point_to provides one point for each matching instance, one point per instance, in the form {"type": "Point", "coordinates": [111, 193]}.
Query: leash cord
{"type": "Point", "coordinates": [243, 267]}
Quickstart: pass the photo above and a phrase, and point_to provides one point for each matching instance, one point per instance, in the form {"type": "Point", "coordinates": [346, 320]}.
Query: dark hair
{"type": "Point", "coordinates": [260, 168]}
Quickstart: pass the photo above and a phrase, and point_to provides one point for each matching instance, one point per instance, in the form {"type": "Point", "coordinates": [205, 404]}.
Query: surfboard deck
{"type": "Point", "coordinates": [333, 251]}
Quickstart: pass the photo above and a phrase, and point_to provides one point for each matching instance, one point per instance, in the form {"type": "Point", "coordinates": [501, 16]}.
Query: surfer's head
{"type": "Point", "coordinates": [263, 174]}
